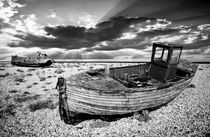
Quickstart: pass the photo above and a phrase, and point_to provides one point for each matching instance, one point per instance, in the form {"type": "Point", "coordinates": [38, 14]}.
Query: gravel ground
{"type": "Point", "coordinates": [186, 115]}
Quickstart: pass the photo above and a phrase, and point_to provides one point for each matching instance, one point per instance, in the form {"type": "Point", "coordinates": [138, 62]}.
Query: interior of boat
{"type": "Point", "coordinates": [165, 67]}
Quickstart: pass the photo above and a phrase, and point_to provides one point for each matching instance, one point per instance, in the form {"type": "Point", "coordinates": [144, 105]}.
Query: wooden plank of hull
{"type": "Point", "coordinates": [119, 97]}
{"type": "Point", "coordinates": [99, 110]}
{"type": "Point", "coordinates": [126, 99]}
{"type": "Point", "coordinates": [98, 104]}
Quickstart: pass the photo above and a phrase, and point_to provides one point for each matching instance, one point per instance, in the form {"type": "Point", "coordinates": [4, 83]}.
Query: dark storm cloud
{"type": "Point", "coordinates": [66, 32]}
{"type": "Point", "coordinates": [118, 33]}
{"type": "Point", "coordinates": [108, 30]}
{"type": "Point", "coordinates": [198, 45]}
{"type": "Point", "coordinates": [71, 37]}
{"type": "Point", "coordinates": [38, 41]}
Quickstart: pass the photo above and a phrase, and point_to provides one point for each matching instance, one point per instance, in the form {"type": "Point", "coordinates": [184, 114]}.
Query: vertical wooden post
{"type": "Point", "coordinates": [63, 104]}
{"type": "Point", "coordinates": [106, 71]}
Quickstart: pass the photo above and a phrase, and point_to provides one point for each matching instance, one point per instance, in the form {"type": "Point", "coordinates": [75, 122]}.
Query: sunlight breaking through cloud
{"type": "Point", "coordinates": [86, 20]}
{"type": "Point", "coordinates": [127, 35]}
{"type": "Point", "coordinates": [79, 34]}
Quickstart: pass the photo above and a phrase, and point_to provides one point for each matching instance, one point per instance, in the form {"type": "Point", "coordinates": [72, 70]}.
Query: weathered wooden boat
{"type": "Point", "coordinates": [31, 62]}
{"type": "Point", "coordinates": [122, 90]}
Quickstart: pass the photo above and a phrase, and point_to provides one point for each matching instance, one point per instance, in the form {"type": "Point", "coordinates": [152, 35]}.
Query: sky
{"type": "Point", "coordinates": [103, 29]}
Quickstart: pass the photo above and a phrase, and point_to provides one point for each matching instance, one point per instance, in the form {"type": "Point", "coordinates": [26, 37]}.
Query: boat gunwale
{"type": "Point", "coordinates": [130, 90]}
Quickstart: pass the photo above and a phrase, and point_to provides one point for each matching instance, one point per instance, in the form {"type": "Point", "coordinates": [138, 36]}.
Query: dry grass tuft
{"type": "Point", "coordinates": [31, 69]}
{"type": "Point", "coordinates": [7, 110]}
{"type": "Point", "coordinates": [13, 91]}
{"type": "Point", "coordinates": [29, 74]}
{"type": "Point", "coordinates": [1, 69]}
{"type": "Point", "coordinates": [26, 93]}
{"type": "Point", "coordinates": [4, 75]}
{"type": "Point", "coordinates": [20, 70]}
{"type": "Point", "coordinates": [29, 86]}
{"type": "Point", "coordinates": [48, 83]}
{"type": "Point", "coordinates": [20, 80]}
{"type": "Point", "coordinates": [25, 97]}
{"type": "Point", "coordinates": [35, 83]}
{"type": "Point", "coordinates": [59, 71]}
{"type": "Point", "coordinates": [42, 78]}
{"type": "Point", "coordinates": [41, 104]}
{"type": "Point", "coordinates": [45, 89]}
{"type": "Point", "coordinates": [7, 97]}
{"type": "Point", "coordinates": [142, 117]}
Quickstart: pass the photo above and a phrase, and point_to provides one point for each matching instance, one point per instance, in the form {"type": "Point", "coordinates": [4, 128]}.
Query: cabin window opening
{"type": "Point", "coordinates": [175, 56]}
{"type": "Point", "coordinates": [161, 54]}
{"type": "Point", "coordinates": [158, 53]}
{"type": "Point", "coordinates": [165, 55]}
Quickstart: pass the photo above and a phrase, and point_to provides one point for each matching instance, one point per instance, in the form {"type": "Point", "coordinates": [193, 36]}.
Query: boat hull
{"type": "Point", "coordinates": [30, 62]}
{"type": "Point", "coordinates": [96, 103]}
{"type": "Point", "coordinates": [104, 93]}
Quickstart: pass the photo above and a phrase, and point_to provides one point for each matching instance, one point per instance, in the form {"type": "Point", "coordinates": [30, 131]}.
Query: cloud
{"type": "Point", "coordinates": [8, 9]}
{"type": "Point", "coordinates": [31, 41]}
{"type": "Point", "coordinates": [128, 35]}
{"type": "Point", "coordinates": [3, 24]}
{"type": "Point", "coordinates": [196, 51]}
{"type": "Point", "coordinates": [52, 14]}
{"type": "Point", "coordinates": [204, 27]}
{"type": "Point", "coordinates": [75, 37]}
{"type": "Point", "coordinates": [207, 51]}
{"type": "Point", "coordinates": [28, 24]}
{"type": "Point", "coordinates": [86, 20]}
{"type": "Point", "coordinates": [92, 39]}
{"type": "Point", "coordinates": [13, 31]}
{"type": "Point", "coordinates": [159, 24]}
{"type": "Point", "coordinates": [4, 51]}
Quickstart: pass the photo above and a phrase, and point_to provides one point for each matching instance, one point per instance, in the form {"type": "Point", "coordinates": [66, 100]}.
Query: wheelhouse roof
{"type": "Point", "coordinates": [167, 45]}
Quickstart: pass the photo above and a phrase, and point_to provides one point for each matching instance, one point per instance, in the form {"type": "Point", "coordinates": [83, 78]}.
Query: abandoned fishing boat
{"type": "Point", "coordinates": [40, 61]}
{"type": "Point", "coordinates": [128, 89]}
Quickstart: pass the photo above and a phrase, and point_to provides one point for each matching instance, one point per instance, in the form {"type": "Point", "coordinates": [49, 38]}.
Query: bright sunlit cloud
{"type": "Point", "coordinates": [127, 35]}
{"type": "Point", "coordinates": [52, 14]}
{"type": "Point", "coordinates": [86, 20]}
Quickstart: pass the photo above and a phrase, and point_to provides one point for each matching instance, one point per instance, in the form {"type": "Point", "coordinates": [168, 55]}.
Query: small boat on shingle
{"type": "Point", "coordinates": [40, 61]}
{"type": "Point", "coordinates": [128, 89]}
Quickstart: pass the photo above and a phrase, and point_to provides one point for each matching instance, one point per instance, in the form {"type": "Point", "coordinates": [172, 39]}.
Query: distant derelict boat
{"type": "Point", "coordinates": [38, 61]}
{"type": "Point", "coordinates": [122, 90]}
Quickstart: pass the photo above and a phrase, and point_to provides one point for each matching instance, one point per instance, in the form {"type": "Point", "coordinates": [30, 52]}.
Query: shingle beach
{"type": "Point", "coordinates": [29, 107]}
